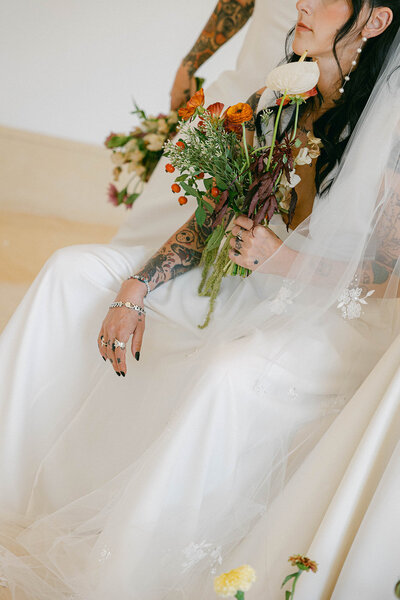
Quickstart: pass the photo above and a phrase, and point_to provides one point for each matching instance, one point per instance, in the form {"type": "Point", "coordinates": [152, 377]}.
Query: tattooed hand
{"type": "Point", "coordinates": [121, 323]}
{"type": "Point", "coordinates": [257, 245]}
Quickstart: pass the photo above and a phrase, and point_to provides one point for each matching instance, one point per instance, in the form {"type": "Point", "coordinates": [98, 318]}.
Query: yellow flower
{"type": "Point", "coordinates": [240, 579]}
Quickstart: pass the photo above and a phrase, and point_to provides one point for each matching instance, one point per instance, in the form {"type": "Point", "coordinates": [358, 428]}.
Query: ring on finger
{"type": "Point", "coordinates": [238, 243]}
{"type": "Point", "coordinates": [118, 344]}
{"type": "Point", "coordinates": [103, 343]}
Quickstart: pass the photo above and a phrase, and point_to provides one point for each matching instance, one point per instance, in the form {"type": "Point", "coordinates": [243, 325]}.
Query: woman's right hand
{"type": "Point", "coordinates": [183, 87]}
{"type": "Point", "coordinates": [121, 323]}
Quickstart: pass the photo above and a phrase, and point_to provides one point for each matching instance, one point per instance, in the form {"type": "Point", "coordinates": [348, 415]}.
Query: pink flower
{"type": "Point", "coordinates": [113, 194]}
{"type": "Point", "coordinates": [216, 109]}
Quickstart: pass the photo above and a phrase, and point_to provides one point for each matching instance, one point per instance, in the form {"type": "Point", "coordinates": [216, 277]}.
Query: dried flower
{"type": "Point", "coordinates": [162, 126]}
{"type": "Point", "coordinates": [303, 563]}
{"type": "Point", "coordinates": [237, 580]}
{"type": "Point", "coordinates": [303, 157]}
{"type": "Point", "coordinates": [294, 78]}
{"type": "Point", "coordinates": [192, 105]}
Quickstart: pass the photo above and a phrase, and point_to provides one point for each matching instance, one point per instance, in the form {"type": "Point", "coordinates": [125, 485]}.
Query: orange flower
{"type": "Point", "coordinates": [192, 105]}
{"type": "Point", "coordinates": [175, 188]}
{"type": "Point", "coordinates": [215, 109]}
{"type": "Point", "coordinates": [304, 563]}
{"type": "Point", "coordinates": [239, 113]}
{"type": "Point", "coordinates": [169, 168]}
{"type": "Point", "coordinates": [182, 200]}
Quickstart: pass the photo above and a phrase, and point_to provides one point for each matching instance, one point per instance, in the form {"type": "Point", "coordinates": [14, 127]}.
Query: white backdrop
{"type": "Point", "coordinates": [69, 68]}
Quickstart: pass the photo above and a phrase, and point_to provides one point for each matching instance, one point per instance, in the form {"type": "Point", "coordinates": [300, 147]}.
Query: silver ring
{"type": "Point", "coordinates": [103, 343]}
{"type": "Point", "coordinates": [119, 344]}
{"type": "Point", "coordinates": [239, 237]}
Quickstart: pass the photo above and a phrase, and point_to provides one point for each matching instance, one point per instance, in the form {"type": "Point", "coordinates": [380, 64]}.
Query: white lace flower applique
{"type": "Point", "coordinates": [194, 553]}
{"type": "Point", "coordinates": [350, 302]}
{"type": "Point", "coordinates": [282, 300]}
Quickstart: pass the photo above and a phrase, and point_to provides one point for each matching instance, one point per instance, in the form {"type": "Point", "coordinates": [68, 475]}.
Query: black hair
{"type": "Point", "coordinates": [336, 125]}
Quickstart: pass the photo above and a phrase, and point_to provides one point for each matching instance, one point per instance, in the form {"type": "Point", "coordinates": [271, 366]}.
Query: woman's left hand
{"type": "Point", "coordinates": [258, 243]}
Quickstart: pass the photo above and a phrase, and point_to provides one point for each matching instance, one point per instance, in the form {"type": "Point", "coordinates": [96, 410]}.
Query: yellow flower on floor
{"type": "Point", "coordinates": [229, 584]}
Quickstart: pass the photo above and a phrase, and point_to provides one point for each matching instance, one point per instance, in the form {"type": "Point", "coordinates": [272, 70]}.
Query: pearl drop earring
{"type": "Point", "coordinates": [353, 64]}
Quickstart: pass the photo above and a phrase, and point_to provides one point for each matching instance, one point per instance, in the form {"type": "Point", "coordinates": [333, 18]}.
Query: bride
{"type": "Point", "coordinates": [146, 486]}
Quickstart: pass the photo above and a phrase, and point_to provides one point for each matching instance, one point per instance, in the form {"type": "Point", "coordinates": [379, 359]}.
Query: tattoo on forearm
{"type": "Point", "coordinates": [181, 253]}
{"type": "Point", "coordinates": [253, 102]}
{"type": "Point", "coordinates": [227, 19]}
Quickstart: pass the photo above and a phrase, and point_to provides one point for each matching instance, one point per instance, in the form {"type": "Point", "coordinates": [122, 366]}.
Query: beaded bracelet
{"type": "Point", "coordinates": [128, 304]}
{"type": "Point", "coordinates": [143, 279]}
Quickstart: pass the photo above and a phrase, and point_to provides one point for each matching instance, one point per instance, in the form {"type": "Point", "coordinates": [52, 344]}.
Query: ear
{"type": "Point", "coordinates": [378, 22]}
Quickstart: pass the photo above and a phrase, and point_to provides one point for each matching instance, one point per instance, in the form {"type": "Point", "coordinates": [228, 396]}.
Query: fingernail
{"type": "Point", "coordinates": [118, 373]}
{"type": "Point", "coordinates": [137, 355]}
{"type": "Point", "coordinates": [104, 358]}
{"type": "Point", "coordinates": [123, 374]}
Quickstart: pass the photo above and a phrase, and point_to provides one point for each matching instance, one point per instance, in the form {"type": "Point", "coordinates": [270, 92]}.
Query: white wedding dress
{"type": "Point", "coordinates": [144, 487]}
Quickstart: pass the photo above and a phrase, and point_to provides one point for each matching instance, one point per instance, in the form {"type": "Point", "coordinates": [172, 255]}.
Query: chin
{"type": "Point", "coordinates": [300, 46]}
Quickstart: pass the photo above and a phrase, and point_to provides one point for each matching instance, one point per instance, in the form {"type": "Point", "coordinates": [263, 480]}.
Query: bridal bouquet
{"type": "Point", "coordinates": [227, 177]}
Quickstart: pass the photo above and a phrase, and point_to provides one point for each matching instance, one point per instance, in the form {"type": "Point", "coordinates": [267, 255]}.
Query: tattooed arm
{"type": "Point", "coordinates": [179, 254]}
{"type": "Point", "coordinates": [228, 18]}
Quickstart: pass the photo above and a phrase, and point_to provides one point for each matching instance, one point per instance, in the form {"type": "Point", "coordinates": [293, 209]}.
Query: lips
{"type": "Point", "coordinates": [303, 26]}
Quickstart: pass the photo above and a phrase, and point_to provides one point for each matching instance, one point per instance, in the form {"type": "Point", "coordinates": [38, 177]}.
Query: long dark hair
{"type": "Point", "coordinates": [336, 125]}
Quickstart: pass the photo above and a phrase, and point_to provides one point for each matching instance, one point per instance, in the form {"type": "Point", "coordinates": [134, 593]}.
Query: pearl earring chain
{"type": "Point", "coordinates": [353, 64]}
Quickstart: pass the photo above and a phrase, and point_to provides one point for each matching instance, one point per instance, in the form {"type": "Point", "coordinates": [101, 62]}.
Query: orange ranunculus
{"type": "Point", "coordinates": [192, 105]}
{"type": "Point", "coordinates": [239, 113]}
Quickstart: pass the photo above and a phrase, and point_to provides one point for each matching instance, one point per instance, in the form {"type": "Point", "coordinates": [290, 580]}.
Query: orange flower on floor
{"type": "Point", "coordinates": [304, 96]}
{"type": "Point", "coordinates": [303, 563]}
{"type": "Point", "coordinates": [192, 105]}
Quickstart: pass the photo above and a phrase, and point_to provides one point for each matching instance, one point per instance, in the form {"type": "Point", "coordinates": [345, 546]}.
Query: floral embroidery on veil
{"type": "Point", "coordinates": [350, 302]}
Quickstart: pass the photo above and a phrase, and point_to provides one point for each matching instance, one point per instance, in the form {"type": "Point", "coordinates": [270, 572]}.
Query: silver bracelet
{"type": "Point", "coordinates": [143, 280]}
{"type": "Point", "coordinates": [128, 304]}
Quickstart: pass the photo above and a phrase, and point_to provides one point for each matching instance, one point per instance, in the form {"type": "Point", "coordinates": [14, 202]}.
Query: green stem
{"type": "Point", "coordinates": [246, 151]}
{"type": "Point", "coordinates": [294, 584]}
{"type": "Point", "coordinates": [276, 130]}
{"type": "Point", "coordinates": [296, 122]}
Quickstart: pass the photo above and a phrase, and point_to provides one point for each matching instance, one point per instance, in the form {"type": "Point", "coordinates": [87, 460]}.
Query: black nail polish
{"type": "Point", "coordinates": [123, 374]}
{"type": "Point", "coordinates": [118, 373]}
{"type": "Point", "coordinates": [137, 355]}
{"type": "Point", "coordinates": [104, 358]}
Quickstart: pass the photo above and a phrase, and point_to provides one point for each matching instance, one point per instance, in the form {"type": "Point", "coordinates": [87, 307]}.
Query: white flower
{"type": "Point", "coordinates": [139, 169]}
{"type": "Point", "coordinates": [172, 117]}
{"type": "Point", "coordinates": [131, 145]}
{"type": "Point", "coordinates": [294, 180]}
{"type": "Point", "coordinates": [303, 157]}
{"type": "Point", "coordinates": [294, 78]}
{"type": "Point", "coordinates": [118, 158]}
{"type": "Point", "coordinates": [136, 156]}
{"type": "Point", "coordinates": [154, 141]}
{"type": "Point", "coordinates": [163, 126]}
